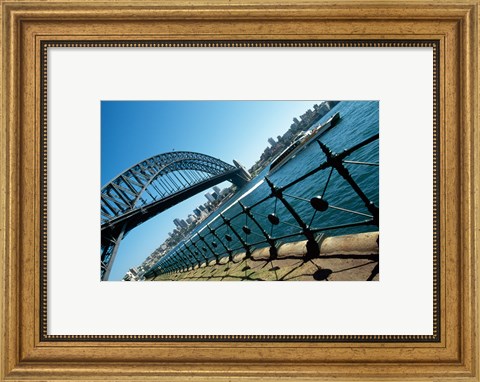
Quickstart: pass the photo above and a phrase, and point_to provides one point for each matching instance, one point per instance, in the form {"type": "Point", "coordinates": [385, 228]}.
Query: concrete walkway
{"type": "Point", "coordinates": [342, 258]}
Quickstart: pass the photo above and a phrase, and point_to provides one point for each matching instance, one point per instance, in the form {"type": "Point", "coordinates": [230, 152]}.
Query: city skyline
{"type": "Point", "coordinates": [182, 227]}
{"type": "Point", "coordinates": [205, 126]}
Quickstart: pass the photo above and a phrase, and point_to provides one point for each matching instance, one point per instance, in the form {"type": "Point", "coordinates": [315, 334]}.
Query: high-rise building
{"type": "Point", "coordinates": [215, 195]}
{"type": "Point", "coordinates": [197, 212]}
{"type": "Point", "coordinates": [271, 141]}
{"type": "Point", "coordinates": [209, 197]}
{"type": "Point", "coordinates": [180, 223]}
{"type": "Point", "coordinates": [323, 109]}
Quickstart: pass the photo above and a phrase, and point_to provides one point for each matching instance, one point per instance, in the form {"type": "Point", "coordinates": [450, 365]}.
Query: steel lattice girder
{"type": "Point", "coordinates": [125, 192]}
{"type": "Point", "coordinates": [165, 179]}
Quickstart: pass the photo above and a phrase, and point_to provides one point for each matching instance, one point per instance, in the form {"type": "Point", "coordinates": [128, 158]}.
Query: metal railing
{"type": "Point", "coordinates": [248, 229]}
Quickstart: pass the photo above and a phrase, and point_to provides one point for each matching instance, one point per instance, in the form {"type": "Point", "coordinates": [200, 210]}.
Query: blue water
{"type": "Point", "coordinates": [359, 120]}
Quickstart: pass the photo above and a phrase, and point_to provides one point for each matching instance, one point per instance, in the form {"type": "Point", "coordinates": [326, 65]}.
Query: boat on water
{"type": "Point", "coordinates": [323, 128]}
{"type": "Point", "coordinates": [301, 141]}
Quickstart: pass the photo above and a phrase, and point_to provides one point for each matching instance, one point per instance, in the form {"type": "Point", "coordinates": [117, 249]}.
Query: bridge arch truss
{"type": "Point", "coordinates": [152, 186]}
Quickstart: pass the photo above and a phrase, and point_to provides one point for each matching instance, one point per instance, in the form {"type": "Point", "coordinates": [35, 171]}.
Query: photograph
{"type": "Point", "coordinates": [240, 190]}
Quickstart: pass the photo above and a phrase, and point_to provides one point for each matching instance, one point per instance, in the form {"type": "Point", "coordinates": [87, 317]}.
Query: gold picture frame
{"type": "Point", "coordinates": [28, 353]}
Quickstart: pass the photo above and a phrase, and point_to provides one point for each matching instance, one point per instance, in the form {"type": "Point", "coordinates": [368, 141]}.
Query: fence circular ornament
{"type": "Point", "coordinates": [272, 218]}
{"type": "Point", "coordinates": [319, 203]}
{"type": "Point", "coordinates": [247, 230]}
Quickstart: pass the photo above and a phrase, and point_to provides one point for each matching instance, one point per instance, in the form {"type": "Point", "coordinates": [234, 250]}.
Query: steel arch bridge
{"type": "Point", "coordinates": [152, 186]}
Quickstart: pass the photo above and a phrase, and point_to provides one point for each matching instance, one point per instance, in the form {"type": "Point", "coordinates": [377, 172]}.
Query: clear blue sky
{"type": "Point", "coordinates": [135, 130]}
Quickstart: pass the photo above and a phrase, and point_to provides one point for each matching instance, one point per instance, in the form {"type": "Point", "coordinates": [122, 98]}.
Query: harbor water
{"type": "Point", "coordinates": [359, 121]}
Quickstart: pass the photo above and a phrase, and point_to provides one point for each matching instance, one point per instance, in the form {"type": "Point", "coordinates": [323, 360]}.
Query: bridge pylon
{"type": "Point", "coordinates": [243, 176]}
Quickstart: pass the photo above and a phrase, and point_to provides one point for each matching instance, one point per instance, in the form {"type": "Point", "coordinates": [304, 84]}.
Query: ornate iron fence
{"type": "Point", "coordinates": [249, 229]}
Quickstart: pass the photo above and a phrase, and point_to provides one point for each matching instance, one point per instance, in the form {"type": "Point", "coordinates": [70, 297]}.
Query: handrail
{"type": "Point", "coordinates": [227, 236]}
